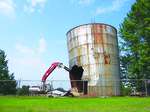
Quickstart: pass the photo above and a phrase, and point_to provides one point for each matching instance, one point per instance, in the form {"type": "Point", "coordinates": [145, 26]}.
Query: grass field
{"type": "Point", "coordinates": [44, 104]}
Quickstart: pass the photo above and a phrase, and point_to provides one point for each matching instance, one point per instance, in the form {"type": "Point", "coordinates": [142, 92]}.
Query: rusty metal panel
{"type": "Point", "coordinates": [94, 47]}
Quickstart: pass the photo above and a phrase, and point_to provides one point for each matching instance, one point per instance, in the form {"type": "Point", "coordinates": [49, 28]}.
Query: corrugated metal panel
{"type": "Point", "coordinates": [95, 48]}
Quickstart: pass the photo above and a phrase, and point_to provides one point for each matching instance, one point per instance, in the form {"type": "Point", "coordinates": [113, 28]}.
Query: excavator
{"type": "Point", "coordinates": [75, 74]}
{"type": "Point", "coordinates": [50, 70]}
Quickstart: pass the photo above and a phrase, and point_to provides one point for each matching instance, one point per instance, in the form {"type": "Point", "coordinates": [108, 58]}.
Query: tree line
{"type": "Point", "coordinates": [135, 45]}
{"type": "Point", "coordinates": [8, 84]}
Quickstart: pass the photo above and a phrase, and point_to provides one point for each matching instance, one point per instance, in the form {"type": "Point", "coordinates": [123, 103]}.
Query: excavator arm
{"type": "Point", "coordinates": [51, 69]}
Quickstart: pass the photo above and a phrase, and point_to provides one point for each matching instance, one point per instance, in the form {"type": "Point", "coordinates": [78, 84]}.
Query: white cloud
{"type": "Point", "coordinates": [28, 60]}
{"type": "Point", "coordinates": [42, 45]}
{"type": "Point", "coordinates": [7, 7]}
{"type": "Point", "coordinates": [32, 52]}
{"type": "Point", "coordinates": [34, 5]}
{"type": "Point", "coordinates": [82, 2]}
{"type": "Point", "coordinates": [24, 49]}
{"type": "Point", "coordinates": [116, 5]}
{"type": "Point", "coordinates": [85, 2]}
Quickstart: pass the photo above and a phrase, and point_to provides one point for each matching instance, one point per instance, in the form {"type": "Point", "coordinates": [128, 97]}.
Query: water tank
{"type": "Point", "coordinates": [94, 46]}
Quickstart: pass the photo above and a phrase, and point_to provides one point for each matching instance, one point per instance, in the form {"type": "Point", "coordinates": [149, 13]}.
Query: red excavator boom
{"type": "Point", "coordinates": [49, 71]}
{"type": "Point", "coordinates": [51, 68]}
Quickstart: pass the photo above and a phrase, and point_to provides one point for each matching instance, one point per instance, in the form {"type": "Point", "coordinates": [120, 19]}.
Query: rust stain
{"type": "Point", "coordinates": [97, 34]}
{"type": "Point", "coordinates": [88, 60]}
{"type": "Point", "coordinates": [105, 27]}
{"type": "Point", "coordinates": [79, 55]}
{"type": "Point", "coordinates": [78, 60]}
{"type": "Point", "coordinates": [107, 75]}
{"type": "Point", "coordinates": [106, 58]}
{"type": "Point", "coordinates": [109, 91]}
{"type": "Point", "coordinates": [98, 38]}
{"type": "Point", "coordinates": [97, 31]}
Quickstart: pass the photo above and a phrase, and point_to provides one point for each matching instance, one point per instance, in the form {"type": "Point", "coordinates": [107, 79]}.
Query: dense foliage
{"type": "Point", "coordinates": [7, 81]}
{"type": "Point", "coordinates": [23, 91]}
{"type": "Point", "coordinates": [135, 43]}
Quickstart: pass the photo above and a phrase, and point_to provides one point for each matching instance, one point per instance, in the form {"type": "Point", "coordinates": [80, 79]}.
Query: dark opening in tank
{"type": "Point", "coordinates": [75, 74]}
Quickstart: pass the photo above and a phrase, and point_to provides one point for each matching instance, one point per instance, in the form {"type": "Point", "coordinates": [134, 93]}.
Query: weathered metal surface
{"type": "Point", "coordinates": [94, 47]}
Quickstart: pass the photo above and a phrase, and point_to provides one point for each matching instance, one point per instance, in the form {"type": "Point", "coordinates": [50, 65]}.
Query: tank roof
{"type": "Point", "coordinates": [91, 24]}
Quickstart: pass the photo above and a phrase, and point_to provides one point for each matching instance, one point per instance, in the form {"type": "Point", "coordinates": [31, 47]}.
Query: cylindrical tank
{"type": "Point", "coordinates": [94, 46]}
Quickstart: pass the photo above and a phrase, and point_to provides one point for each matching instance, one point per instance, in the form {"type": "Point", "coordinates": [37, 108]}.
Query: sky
{"type": "Point", "coordinates": [33, 32]}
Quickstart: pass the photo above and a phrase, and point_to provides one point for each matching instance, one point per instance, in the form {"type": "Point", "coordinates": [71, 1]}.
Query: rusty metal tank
{"type": "Point", "coordinates": [94, 46]}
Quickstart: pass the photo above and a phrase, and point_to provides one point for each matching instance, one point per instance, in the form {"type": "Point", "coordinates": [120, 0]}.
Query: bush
{"type": "Point", "coordinates": [8, 87]}
{"type": "Point", "coordinates": [125, 90]}
{"type": "Point", "coordinates": [23, 91]}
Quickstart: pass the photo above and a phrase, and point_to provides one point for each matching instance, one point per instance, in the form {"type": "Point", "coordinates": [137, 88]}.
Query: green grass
{"type": "Point", "coordinates": [44, 104]}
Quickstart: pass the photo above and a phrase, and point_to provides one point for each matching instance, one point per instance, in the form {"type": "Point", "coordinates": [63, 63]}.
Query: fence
{"type": "Point", "coordinates": [126, 87]}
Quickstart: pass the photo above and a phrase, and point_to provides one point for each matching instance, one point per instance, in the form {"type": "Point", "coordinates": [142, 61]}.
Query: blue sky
{"type": "Point", "coordinates": [33, 32]}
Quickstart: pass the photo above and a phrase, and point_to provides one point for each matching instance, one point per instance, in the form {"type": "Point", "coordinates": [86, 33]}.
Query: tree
{"type": "Point", "coordinates": [135, 43]}
{"type": "Point", "coordinates": [23, 91]}
{"type": "Point", "coordinates": [7, 81]}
